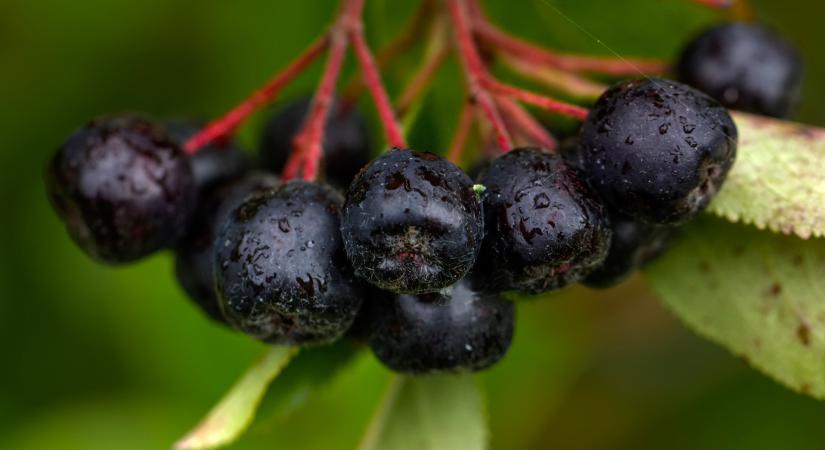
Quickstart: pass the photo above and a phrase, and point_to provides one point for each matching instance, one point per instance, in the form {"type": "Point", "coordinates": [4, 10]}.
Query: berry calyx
{"type": "Point", "coordinates": [193, 256]}
{"type": "Point", "coordinates": [346, 145]}
{"type": "Point", "coordinates": [657, 150]}
{"type": "Point", "coordinates": [744, 66]}
{"type": "Point", "coordinates": [545, 228]}
{"type": "Point", "coordinates": [460, 329]}
{"type": "Point", "coordinates": [411, 222]}
{"type": "Point", "coordinates": [123, 188]}
{"type": "Point", "coordinates": [281, 274]}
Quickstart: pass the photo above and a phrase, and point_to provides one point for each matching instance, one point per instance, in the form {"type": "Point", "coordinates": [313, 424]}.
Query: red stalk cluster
{"type": "Point", "coordinates": [497, 102]}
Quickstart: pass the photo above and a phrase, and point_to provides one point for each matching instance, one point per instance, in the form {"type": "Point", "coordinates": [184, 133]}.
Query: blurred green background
{"type": "Point", "coordinates": [116, 358]}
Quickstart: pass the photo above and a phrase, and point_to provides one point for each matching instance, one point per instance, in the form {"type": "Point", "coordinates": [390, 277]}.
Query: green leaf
{"type": "Point", "coordinates": [761, 295]}
{"type": "Point", "coordinates": [442, 412]}
{"type": "Point", "coordinates": [233, 414]}
{"type": "Point", "coordinates": [777, 181]}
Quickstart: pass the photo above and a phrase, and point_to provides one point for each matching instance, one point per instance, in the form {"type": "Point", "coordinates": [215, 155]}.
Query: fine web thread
{"type": "Point", "coordinates": [598, 41]}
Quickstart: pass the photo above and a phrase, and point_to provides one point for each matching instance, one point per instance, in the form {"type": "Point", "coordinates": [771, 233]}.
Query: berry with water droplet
{"type": "Point", "coordinates": [633, 245]}
{"type": "Point", "coordinates": [123, 188]}
{"type": "Point", "coordinates": [657, 150]}
{"type": "Point", "coordinates": [545, 228]}
{"type": "Point", "coordinates": [412, 222]}
{"type": "Point", "coordinates": [745, 66]}
{"type": "Point", "coordinates": [269, 283]}
{"type": "Point", "coordinates": [459, 329]}
{"type": "Point", "coordinates": [346, 140]}
{"type": "Point", "coordinates": [193, 256]}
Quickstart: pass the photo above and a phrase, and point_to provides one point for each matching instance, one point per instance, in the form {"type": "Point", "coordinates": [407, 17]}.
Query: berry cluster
{"type": "Point", "coordinates": [405, 250]}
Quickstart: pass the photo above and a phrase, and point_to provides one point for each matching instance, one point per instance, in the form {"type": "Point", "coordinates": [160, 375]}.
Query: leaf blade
{"type": "Point", "coordinates": [776, 183]}
{"type": "Point", "coordinates": [440, 412]}
{"type": "Point", "coordinates": [758, 294]}
{"type": "Point", "coordinates": [228, 419]}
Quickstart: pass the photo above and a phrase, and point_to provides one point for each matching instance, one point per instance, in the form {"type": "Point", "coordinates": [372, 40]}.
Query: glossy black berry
{"type": "Point", "coordinates": [412, 222]}
{"type": "Point", "coordinates": [281, 274]}
{"type": "Point", "coordinates": [123, 188]}
{"type": "Point", "coordinates": [657, 150]}
{"type": "Point", "coordinates": [193, 256]}
{"type": "Point", "coordinates": [745, 66]}
{"type": "Point", "coordinates": [213, 164]}
{"type": "Point", "coordinates": [633, 245]}
{"type": "Point", "coordinates": [374, 303]}
{"type": "Point", "coordinates": [347, 145]}
{"type": "Point", "coordinates": [457, 330]}
{"type": "Point", "coordinates": [545, 228]}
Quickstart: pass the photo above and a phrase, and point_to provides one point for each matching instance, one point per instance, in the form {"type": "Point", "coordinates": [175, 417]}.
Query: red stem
{"type": "Point", "coordinates": [550, 104]}
{"type": "Point", "coordinates": [420, 80]}
{"type": "Point", "coordinates": [465, 122]}
{"type": "Point", "coordinates": [225, 125]}
{"type": "Point", "coordinates": [475, 72]}
{"type": "Point", "coordinates": [402, 42]}
{"type": "Point", "coordinates": [372, 78]}
{"type": "Point", "coordinates": [537, 55]}
{"type": "Point", "coordinates": [308, 143]}
{"type": "Point", "coordinates": [529, 126]}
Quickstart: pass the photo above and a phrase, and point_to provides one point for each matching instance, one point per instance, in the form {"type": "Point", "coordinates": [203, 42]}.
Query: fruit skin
{"type": "Point", "coordinates": [281, 274]}
{"type": "Point", "coordinates": [633, 245]}
{"type": "Point", "coordinates": [193, 256]}
{"type": "Point", "coordinates": [545, 227]}
{"type": "Point", "coordinates": [213, 164]}
{"type": "Point", "coordinates": [459, 329]}
{"type": "Point", "coordinates": [657, 150]}
{"type": "Point", "coordinates": [744, 66]}
{"type": "Point", "coordinates": [123, 188]}
{"type": "Point", "coordinates": [347, 146]}
{"type": "Point", "coordinates": [412, 223]}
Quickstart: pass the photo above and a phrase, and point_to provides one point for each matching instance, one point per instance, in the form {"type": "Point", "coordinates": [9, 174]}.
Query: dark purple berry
{"type": "Point", "coordinates": [347, 145]}
{"type": "Point", "coordinates": [213, 164]}
{"type": "Point", "coordinates": [545, 228]}
{"type": "Point", "coordinates": [459, 329]}
{"type": "Point", "coordinates": [633, 245]}
{"type": "Point", "coordinates": [123, 188]}
{"type": "Point", "coordinates": [745, 66]}
{"type": "Point", "coordinates": [281, 274]}
{"type": "Point", "coordinates": [365, 322]}
{"type": "Point", "coordinates": [657, 150]}
{"type": "Point", "coordinates": [193, 256]}
{"type": "Point", "coordinates": [412, 222]}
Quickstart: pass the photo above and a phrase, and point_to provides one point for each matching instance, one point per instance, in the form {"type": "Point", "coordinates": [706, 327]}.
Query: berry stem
{"type": "Point", "coordinates": [555, 79]}
{"type": "Point", "coordinates": [459, 141]}
{"type": "Point", "coordinates": [308, 143]}
{"type": "Point", "coordinates": [504, 42]}
{"type": "Point", "coordinates": [372, 78]}
{"type": "Point", "coordinates": [526, 124]}
{"type": "Point", "coordinates": [225, 125]}
{"type": "Point", "coordinates": [475, 72]}
{"type": "Point", "coordinates": [399, 44]}
{"type": "Point", "coordinates": [434, 56]}
{"type": "Point", "coordinates": [544, 102]}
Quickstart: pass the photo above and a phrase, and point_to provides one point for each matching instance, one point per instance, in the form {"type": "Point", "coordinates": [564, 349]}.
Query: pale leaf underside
{"type": "Point", "coordinates": [761, 295]}
{"type": "Point", "coordinates": [778, 181]}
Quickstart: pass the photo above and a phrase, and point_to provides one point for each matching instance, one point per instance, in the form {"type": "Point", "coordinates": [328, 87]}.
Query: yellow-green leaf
{"type": "Point", "coordinates": [233, 414]}
{"type": "Point", "coordinates": [444, 412]}
{"type": "Point", "coordinates": [760, 294]}
{"type": "Point", "coordinates": [777, 182]}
